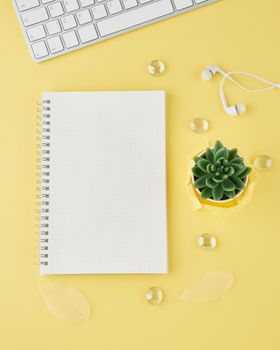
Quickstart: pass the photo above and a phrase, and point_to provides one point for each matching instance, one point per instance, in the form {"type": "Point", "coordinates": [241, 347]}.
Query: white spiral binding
{"type": "Point", "coordinates": [43, 167]}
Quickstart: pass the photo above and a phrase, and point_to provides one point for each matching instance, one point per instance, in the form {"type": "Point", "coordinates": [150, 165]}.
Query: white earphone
{"type": "Point", "coordinates": [238, 109]}
{"type": "Point", "coordinates": [234, 110]}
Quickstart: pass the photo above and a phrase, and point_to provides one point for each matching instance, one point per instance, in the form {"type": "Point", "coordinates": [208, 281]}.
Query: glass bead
{"type": "Point", "coordinates": [207, 241]}
{"type": "Point", "coordinates": [156, 68]}
{"type": "Point", "coordinates": [262, 162]}
{"type": "Point", "coordinates": [199, 125]}
{"type": "Point", "coordinates": [154, 296]}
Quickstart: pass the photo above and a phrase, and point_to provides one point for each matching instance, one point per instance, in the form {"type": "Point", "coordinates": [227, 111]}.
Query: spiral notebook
{"type": "Point", "coordinates": [103, 175]}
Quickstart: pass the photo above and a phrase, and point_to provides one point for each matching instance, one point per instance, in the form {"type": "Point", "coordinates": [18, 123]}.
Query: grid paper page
{"type": "Point", "coordinates": [107, 210]}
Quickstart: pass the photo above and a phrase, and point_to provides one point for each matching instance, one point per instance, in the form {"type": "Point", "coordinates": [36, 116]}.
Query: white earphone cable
{"type": "Point", "coordinates": [229, 77]}
{"type": "Point", "coordinates": [236, 109]}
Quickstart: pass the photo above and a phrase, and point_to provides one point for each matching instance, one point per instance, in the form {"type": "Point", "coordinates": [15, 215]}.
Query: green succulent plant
{"type": "Point", "coordinates": [219, 173]}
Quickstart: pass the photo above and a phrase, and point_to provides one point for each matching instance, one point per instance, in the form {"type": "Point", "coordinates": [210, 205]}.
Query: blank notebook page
{"type": "Point", "coordinates": [107, 190]}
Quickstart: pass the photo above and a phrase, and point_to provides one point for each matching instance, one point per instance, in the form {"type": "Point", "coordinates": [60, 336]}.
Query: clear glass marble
{"type": "Point", "coordinates": [154, 295]}
{"type": "Point", "coordinates": [156, 68]}
{"type": "Point", "coordinates": [207, 241]}
{"type": "Point", "coordinates": [262, 162]}
{"type": "Point", "coordinates": [199, 125]}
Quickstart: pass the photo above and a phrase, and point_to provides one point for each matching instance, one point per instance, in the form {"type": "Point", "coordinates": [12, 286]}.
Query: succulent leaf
{"type": "Point", "coordinates": [211, 183]}
{"type": "Point", "coordinates": [206, 193]}
{"type": "Point", "coordinates": [201, 182]}
{"type": "Point", "coordinates": [202, 164]}
{"type": "Point", "coordinates": [238, 160]}
{"type": "Point", "coordinates": [222, 153]}
{"type": "Point", "coordinates": [230, 194]}
{"type": "Point", "coordinates": [245, 173]}
{"type": "Point", "coordinates": [218, 145]}
{"type": "Point", "coordinates": [218, 193]}
{"type": "Point", "coordinates": [197, 171]}
{"type": "Point", "coordinates": [208, 168]}
{"type": "Point", "coordinates": [230, 171]}
{"type": "Point", "coordinates": [210, 155]}
{"type": "Point", "coordinates": [239, 184]}
{"type": "Point", "coordinates": [213, 169]}
{"type": "Point", "coordinates": [226, 170]}
{"type": "Point", "coordinates": [232, 154]}
{"type": "Point", "coordinates": [228, 185]}
{"type": "Point", "coordinates": [237, 167]}
{"type": "Point", "coordinates": [240, 171]}
{"type": "Point", "coordinates": [218, 179]}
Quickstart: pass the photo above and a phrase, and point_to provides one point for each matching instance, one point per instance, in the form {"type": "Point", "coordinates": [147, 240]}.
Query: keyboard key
{"type": "Point", "coordinates": [56, 26]}
{"type": "Point", "coordinates": [55, 44]}
{"type": "Point", "coordinates": [114, 6]}
{"type": "Point", "coordinates": [182, 4]}
{"type": "Point", "coordinates": [144, 1]}
{"type": "Point", "coordinates": [128, 4]}
{"type": "Point", "coordinates": [135, 17]}
{"type": "Point", "coordinates": [86, 3]}
{"type": "Point", "coordinates": [68, 22]}
{"type": "Point", "coordinates": [53, 27]}
{"type": "Point", "coordinates": [70, 39]}
{"type": "Point", "coordinates": [84, 17]}
{"type": "Point", "coordinates": [71, 5]}
{"type": "Point", "coordinates": [40, 49]}
{"type": "Point", "coordinates": [27, 4]}
{"type": "Point", "coordinates": [56, 9]}
{"type": "Point", "coordinates": [87, 33]}
{"type": "Point", "coordinates": [36, 33]}
{"type": "Point", "coordinates": [99, 11]}
{"type": "Point", "coordinates": [34, 16]}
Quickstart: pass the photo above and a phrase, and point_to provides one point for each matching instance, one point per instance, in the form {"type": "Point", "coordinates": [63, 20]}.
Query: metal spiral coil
{"type": "Point", "coordinates": [43, 180]}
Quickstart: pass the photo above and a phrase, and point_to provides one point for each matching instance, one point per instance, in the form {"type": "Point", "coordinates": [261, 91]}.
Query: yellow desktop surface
{"type": "Point", "coordinates": [234, 34]}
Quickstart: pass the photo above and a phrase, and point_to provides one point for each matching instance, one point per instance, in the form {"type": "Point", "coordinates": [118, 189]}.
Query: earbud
{"type": "Point", "coordinates": [238, 109]}
{"type": "Point", "coordinates": [234, 110]}
{"type": "Point", "coordinates": [209, 72]}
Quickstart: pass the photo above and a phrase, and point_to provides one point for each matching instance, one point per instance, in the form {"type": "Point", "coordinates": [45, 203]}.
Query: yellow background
{"type": "Point", "coordinates": [235, 34]}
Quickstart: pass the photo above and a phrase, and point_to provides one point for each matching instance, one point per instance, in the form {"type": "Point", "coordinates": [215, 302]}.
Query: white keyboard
{"type": "Point", "coordinates": [52, 27]}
